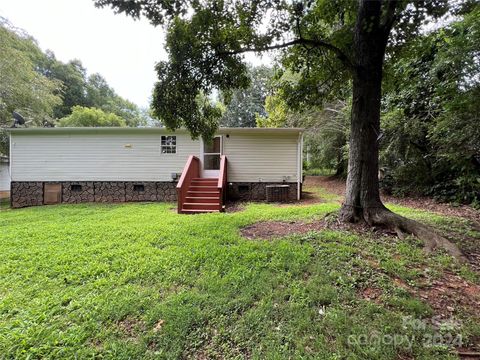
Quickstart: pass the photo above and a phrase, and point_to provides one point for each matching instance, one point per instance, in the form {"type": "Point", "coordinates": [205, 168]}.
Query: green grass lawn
{"type": "Point", "coordinates": [140, 281]}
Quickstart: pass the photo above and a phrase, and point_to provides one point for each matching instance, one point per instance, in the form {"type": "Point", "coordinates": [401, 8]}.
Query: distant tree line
{"type": "Point", "coordinates": [49, 92]}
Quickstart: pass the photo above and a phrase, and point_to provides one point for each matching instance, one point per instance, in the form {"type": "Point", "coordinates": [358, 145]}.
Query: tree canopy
{"type": "Point", "coordinates": [246, 104]}
{"type": "Point", "coordinates": [431, 112]}
{"type": "Point", "coordinates": [22, 87]}
{"type": "Point", "coordinates": [37, 84]}
{"type": "Point", "coordinates": [91, 117]}
{"type": "Point", "coordinates": [206, 40]}
{"type": "Point", "coordinates": [428, 118]}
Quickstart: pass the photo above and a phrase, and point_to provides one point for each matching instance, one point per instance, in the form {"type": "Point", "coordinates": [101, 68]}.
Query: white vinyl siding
{"type": "Point", "coordinates": [265, 157]}
{"type": "Point", "coordinates": [135, 155]}
{"type": "Point", "coordinates": [97, 157]}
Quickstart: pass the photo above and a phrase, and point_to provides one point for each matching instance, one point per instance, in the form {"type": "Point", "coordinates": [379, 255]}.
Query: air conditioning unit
{"type": "Point", "coordinates": [278, 193]}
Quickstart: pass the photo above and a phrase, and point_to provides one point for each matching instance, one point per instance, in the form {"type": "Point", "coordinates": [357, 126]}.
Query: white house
{"type": "Point", "coordinates": [53, 165]}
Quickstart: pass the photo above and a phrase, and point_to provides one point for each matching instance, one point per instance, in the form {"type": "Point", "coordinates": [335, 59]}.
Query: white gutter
{"type": "Point", "coordinates": [220, 131]}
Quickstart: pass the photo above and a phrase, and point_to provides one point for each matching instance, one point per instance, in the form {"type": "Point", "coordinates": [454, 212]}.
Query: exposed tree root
{"type": "Point", "coordinates": [381, 216]}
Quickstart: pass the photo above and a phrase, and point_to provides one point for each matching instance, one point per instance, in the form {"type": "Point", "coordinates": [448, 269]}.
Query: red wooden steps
{"type": "Point", "coordinates": [202, 196]}
{"type": "Point", "coordinates": [202, 199]}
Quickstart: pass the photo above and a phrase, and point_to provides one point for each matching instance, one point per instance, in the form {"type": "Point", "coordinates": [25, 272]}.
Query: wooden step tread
{"type": "Point", "coordinates": [202, 192]}
{"type": "Point", "coordinates": [200, 204]}
{"type": "Point", "coordinates": [193, 211]}
{"type": "Point", "coordinates": [203, 197]}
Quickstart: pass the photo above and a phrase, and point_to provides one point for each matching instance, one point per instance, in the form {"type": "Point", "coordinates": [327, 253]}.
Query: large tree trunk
{"type": "Point", "coordinates": [362, 177]}
{"type": "Point", "coordinates": [362, 198]}
{"type": "Point", "coordinates": [362, 192]}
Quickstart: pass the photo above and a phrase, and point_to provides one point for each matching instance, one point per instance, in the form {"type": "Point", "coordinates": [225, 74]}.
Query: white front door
{"type": "Point", "coordinates": [211, 153]}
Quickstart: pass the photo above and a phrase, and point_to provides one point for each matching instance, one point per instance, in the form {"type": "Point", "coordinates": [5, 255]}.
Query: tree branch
{"type": "Point", "coordinates": [390, 16]}
{"type": "Point", "coordinates": [315, 43]}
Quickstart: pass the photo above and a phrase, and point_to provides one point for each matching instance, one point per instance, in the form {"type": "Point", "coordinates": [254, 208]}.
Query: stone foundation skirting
{"type": "Point", "coordinates": [30, 193]}
{"type": "Point", "coordinates": [26, 194]}
{"type": "Point", "coordinates": [109, 191]}
{"type": "Point", "coordinates": [257, 191]}
{"type": "Point", "coordinates": [149, 192]}
{"type": "Point", "coordinates": [84, 192]}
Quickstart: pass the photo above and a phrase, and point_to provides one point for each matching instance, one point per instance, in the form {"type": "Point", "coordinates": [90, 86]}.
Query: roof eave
{"type": "Point", "coordinates": [146, 130]}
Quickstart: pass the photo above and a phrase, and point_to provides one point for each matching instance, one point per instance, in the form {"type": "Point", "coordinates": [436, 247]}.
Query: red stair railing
{"type": "Point", "coordinates": [222, 181]}
{"type": "Point", "coordinates": [190, 171]}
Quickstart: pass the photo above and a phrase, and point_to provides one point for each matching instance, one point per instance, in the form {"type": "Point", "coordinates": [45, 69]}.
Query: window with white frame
{"type": "Point", "coordinates": [169, 144]}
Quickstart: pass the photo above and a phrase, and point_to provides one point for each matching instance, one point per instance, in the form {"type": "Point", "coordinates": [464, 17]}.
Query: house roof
{"type": "Point", "coordinates": [90, 130]}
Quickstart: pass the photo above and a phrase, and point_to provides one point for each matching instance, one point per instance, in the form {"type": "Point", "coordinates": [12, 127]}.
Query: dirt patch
{"type": "Point", "coordinates": [474, 258]}
{"type": "Point", "coordinates": [277, 229]}
{"type": "Point", "coordinates": [331, 184]}
{"type": "Point", "coordinates": [469, 245]}
{"type": "Point", "coordinates": [428, 204]}
{"type": "Point", "coordinates": [371, 294]}
{"type": "Point", "coordinates": [131, 327]}
{"type": "Point", "coordinates": [450, 296]}
{"type": "Point", "coordinates": [447, 295]}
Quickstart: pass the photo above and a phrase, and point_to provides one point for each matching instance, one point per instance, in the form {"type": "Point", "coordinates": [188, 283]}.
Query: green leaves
{"type": "Point", "coordinates": [91, 117]}
{"type": "Point", "coordinates": [194, 69]}
{"type": "Point", "coordinates": [22, 88]}
{"type": "Point", "coordinates": [431, 108]}
{"type": "Point", "coordinates": [246, 104]}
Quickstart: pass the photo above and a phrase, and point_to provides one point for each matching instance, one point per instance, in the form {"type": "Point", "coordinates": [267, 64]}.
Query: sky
{"type": "Point", "coordinates": [121, 49]}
